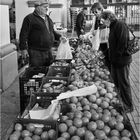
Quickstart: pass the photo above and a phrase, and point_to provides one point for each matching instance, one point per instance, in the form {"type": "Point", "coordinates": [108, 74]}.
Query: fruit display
{"type": "Point", "coordinates": [29, 82]}
{"type": "Point", "coordinates": [90, 117]}
{"type": "Point", "coordinates": [27, 129]}
{"type": "Point", "coordinates": [40, 107]}
{"type": "Point", "coordinates": [61, 62]}
{"type": "Point", "coordinates": [31, 79]}
{"type": "Point", "coordinates": [59, 72]}
{"type": "Point", "coordinates": [93, 117]}
{"type": "Point", "coordinates": [73, 42]}
{"type": "Point", "coordinates": [53, 86]}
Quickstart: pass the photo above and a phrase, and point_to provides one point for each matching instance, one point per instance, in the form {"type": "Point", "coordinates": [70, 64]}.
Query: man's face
{"type": "Point", "coordinates": [44, 8]}
{"type": "Point", "coordinates": [85, 12]}
{"type": "Point", "coordinates": [97, 12]}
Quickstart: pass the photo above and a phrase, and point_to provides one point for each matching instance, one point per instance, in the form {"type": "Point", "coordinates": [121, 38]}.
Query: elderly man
{"type": "Point", "coordinates": [37, 35]}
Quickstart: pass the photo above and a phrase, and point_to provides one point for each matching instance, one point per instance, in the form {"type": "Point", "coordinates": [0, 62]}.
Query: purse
{"type": "Point", "coordinates": [133, 45]}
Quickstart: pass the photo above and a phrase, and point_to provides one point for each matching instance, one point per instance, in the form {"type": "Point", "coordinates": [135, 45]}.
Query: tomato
{"type": "Point", "coordinates": [44, 135]}
{"type": "Point", "coordinates": [77, 122]}
{"type": "Point", "coordinates": [25, 133]}
{"type": "Point", "coordinates": [30, 127]}
{"type": "Point", "coordinates": [92, 126]}
{"type": "Point", "coordinates": [18, 127]}
{"type": "Point", "coordinates": [52, 133]}
{"type": "Point", "coordinates": [13, 137]}
{"type": "Point", "coordinates": [35, 137]}
{"type": "Point", "coordinates": [75, 138]}
{"type": "Point", "coordinates": [69, 123]}
{"type": "Point", "coordinates": [65, 135]}
{"type": "Point", "coordinates": [100, 134]}
{"type": "Point", "coordinates": [89, 135]}
{"type": "Point", "coordinates": [85, 120]}
{"type": "Point", "coordinates": [61, 138]}
{"type": "Point", "coordinates": [80, 132]}
{"type": "Point", "coordinates": [27, 138]}
{"type": "Point", "coordinates": [62, 127]}
{"type": "Point", "coordinates": [72, 130]}
{"type": "Point", "coordinates": [100, 124]}
{"type": "Point", "coordinates": [38, 131]}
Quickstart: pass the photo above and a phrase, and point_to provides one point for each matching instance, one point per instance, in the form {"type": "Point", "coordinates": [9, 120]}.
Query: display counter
{"type": "Point", "coordinates": [8, 65]}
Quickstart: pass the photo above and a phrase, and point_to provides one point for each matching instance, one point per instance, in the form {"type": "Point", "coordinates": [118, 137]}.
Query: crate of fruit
{"type": "Point", "coordinates": [53, 86]}
{"type": "Point", "coordinates": [31, 79]}
{"type": "Point", "coordinates": [40, 107]}
{"type": "Point", "coordinates": [32, 129]}
{"type": "Point", "coordinates": [59, 73]}
{"type": "Point", "coordinates": [42, 99]}
{"type": "Point", "coordinates": [61, 62]}
{"type": "Point", "coordinates": [30, 82]}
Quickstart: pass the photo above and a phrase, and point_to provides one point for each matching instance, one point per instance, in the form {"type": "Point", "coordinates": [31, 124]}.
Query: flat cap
{"type": "Point", "coordinates": [40, 2]}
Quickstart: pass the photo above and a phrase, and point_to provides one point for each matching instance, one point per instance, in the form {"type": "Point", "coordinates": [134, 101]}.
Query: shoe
{"type": "Point", "coordinates": [129, 110]}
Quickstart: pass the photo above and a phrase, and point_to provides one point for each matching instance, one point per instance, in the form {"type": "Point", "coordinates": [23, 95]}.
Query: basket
{"type": "Point", "coordinates": [28, 84]}
{"type": "Point", "coordinates": [45, 125]}
{"type": "Point", "coordinates": [43, 99]}
{"type": "Point", "coordinates": [59, 73]}
{"type": "Point", "coordinates": [55, 86]}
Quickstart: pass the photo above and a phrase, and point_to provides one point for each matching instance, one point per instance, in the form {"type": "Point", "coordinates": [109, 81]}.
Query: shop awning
{"type": "Point", "coordinates": [54, 5]}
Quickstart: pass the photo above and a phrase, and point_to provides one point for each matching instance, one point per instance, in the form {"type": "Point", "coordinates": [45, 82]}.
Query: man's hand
{"type": "Point", "coordinates": [24, 54]}
{"type": "Point", "coordinates": [82, 31]}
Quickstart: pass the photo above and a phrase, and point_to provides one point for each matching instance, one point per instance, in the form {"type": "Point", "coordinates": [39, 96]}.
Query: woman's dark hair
{"type": "Point", "coordinates": [97, 5]}
{"type": "Point", "coordinates": [108, 15]}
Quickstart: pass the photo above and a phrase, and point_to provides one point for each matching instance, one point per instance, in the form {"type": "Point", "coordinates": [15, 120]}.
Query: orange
{"type": "Point", "coordinates": [92, 126]}
{"type": "Point", "coordinates": [77, 122]}
{"type": "Point", "coordinates": [62, 127]}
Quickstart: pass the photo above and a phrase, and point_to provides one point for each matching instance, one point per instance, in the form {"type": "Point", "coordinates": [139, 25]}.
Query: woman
{"type": "Point", "coordinates": [120, 60]}
{"type": "Point", "coordinates": [97, 8]}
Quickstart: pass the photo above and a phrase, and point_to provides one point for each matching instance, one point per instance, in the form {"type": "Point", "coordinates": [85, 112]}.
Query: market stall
{"type": "Point", "coordinates": [71, 100]}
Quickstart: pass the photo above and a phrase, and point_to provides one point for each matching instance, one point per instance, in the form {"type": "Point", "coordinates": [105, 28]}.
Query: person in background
{"type": "Point", "coordinates": [37, 35]}
{"type": "Point", "coordinates": [81, 22]}
{"type": "Point", "coordinates": [120, 60]}
{"type": "Point", "coordinates": [97, 8]}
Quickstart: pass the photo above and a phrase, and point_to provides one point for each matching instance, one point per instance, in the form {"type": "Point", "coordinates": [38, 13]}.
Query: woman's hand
{"type": "Point", "coordinates": [24, 54]}
{"type": "Point", "coordinates": [63, 39]}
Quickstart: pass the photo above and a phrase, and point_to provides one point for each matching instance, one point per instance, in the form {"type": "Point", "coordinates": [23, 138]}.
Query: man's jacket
{"type": "Point", "coordinates": [80, 21]}
{"type": "Point", "coordinates": [35, 34]}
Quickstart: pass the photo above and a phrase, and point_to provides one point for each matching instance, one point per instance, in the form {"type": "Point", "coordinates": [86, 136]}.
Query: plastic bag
{"type": "Point", "coordinates": [104, 34]}
{"type": "Point", "coordinates": [95, 40]}
{"type": "Point", "coordinates": [64, 51]}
